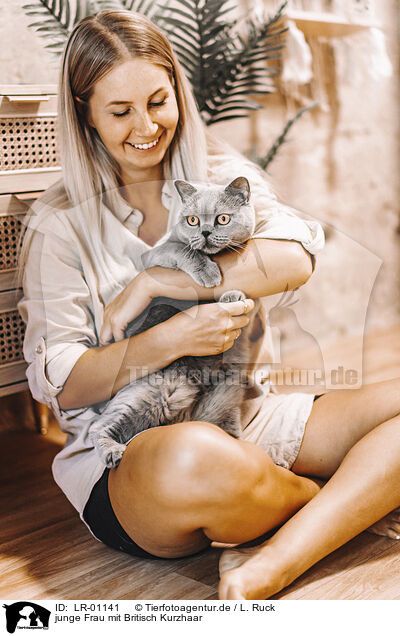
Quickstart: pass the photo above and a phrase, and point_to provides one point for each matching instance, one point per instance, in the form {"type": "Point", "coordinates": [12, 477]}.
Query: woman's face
{"type": "Point", "coordinates": [135, 113]}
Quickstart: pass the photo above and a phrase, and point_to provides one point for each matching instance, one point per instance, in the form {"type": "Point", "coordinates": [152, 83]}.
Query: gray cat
{"type": "Point", "coordinates": [205, 388]}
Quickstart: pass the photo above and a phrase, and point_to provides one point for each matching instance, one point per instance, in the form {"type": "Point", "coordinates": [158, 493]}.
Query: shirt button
{"type": "Point", "coordinates": [39, 349]}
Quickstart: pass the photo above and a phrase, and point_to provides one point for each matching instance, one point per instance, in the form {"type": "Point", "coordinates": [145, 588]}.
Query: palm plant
{"type": "Point", "coordinates": [225, 61]}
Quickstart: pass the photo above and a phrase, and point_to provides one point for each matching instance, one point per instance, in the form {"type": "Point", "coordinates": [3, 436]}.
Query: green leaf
{"type": "Point", "coordinates": [188, 60]}
{"type": "Point", "coordinates": [27, 7]}
{"type": "Point", "coordinates": [184, 27]}
{"type": "Point", "coordinates": [50, 29]}
{"type": "Point", "coordinates": [188, 17]}
{"type": "Point", "coordinates": [188, 46]}
{"type": "Point", "coordinates": [55, 45]}
{"type": "Point", "coordinates": [39, 13]}
{"type": "Point", "coordinates": [38, 24]}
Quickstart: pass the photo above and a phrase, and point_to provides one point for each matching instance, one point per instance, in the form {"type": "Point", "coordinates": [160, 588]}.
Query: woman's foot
{"type": "Point", "coordinates": [259, 572]}
{"type": "Point", "coordinates": [389, 526]}
{"type": "Point", "coordinates": [256, 572]}
{"type": "Point", "coordinates": [251, 573]}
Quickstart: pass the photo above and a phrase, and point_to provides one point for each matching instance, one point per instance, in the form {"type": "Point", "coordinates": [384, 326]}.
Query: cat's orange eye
{"type": "Point", "coordinates": [223, 219]}
{"type": "Point", "coordinates": [193, 220]}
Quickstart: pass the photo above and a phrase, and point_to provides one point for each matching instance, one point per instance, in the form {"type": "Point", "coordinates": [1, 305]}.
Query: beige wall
{"type": "Point", "coordinates": [351, 185]}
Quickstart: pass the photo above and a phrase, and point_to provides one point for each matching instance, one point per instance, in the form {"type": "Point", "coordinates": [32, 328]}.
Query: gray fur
{"type": "Point", "coordinates": [205, 388]}
{"type": "Point", "coordinates": [187, 248]}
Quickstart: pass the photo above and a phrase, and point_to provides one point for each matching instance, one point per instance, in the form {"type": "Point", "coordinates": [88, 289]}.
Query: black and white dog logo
{"type": "Point", "coordinates": [26, 615]}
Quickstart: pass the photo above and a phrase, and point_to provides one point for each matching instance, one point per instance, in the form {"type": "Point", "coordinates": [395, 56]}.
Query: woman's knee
{"type": "Point", "coordinates": [190, 462]}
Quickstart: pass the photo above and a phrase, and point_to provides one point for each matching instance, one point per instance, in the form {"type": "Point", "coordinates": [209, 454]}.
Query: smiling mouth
{"type": "Point", "coordinates": [148, 146]}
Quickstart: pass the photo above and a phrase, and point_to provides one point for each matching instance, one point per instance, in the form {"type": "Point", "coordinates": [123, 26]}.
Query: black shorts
{"type": "Point", "coordinates": [102, 521]}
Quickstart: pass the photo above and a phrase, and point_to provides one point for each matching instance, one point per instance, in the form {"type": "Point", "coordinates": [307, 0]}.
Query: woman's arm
{"type": "Point", "coordinates": [262, 268]}
{"type": "Point", "coordinates": [102, 371]}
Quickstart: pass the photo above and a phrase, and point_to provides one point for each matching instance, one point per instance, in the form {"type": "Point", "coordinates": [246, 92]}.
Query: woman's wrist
{"type": "Point", "coordinates": [150, 351]}
{"type": "Point", "coordinates": [172, 283]}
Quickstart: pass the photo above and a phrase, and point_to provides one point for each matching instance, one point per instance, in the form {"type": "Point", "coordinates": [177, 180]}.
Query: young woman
{"type": "Point", "coordinates": [129, 125]}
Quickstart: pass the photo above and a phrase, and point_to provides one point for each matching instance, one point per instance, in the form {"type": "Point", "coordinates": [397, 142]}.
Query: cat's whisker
{"type": "Point", "coordinates": [232, 249]}
{"type": "Point", "coordinates": [187, 249]}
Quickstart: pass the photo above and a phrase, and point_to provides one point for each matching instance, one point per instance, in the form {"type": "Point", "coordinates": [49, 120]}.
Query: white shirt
{"type": "Point", "coordinates": [66, 289]}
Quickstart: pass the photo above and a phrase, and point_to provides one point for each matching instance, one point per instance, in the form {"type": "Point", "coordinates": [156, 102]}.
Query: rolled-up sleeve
{"type": "Point", "coordinates": [56, 309]}
{"type": "Point", "coordinates": [277, 221]}
{"type": "Point", "coordinates": [274, 220]}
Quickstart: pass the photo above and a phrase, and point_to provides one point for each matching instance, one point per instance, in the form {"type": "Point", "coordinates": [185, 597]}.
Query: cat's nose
{"type": "Point", "coordinates": [206, 233]}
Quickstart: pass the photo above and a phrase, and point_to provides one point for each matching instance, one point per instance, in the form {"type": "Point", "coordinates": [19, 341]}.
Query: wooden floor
{"type": "Point", "coordinates": [46, 552]}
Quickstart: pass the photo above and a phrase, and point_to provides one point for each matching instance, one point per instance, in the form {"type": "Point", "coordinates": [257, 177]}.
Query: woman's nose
{"type": "Point", "coordinates": [144, 126]}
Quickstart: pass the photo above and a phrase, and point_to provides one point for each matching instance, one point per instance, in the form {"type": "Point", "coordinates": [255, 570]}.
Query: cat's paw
{"type": "Point", "coordinates": [209, 276]}
{"type": "Point", "coordinates": [113, 457]}
{"type": "Point", "coordinates": [232, 296]}
{"type": "Point", "coordinates": [110, 452]}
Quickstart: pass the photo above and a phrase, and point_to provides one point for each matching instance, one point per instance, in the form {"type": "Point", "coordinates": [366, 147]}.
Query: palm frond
{"type": "Point", "coordinates": [58, 19]}
{"type": "Point", "coordinates": [112, 5]}
{"type": "Point", "coordinates": [265, 160]}
{"type": "Point", "coordinates": [148, 8]}
{"type": "Point", "coordinates": [221, 56]}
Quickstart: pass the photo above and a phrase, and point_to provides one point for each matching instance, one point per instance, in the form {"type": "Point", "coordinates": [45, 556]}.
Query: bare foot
{"type": "Point", "coordinates": [249, 573]}
{"type": "Point", "coordinates": [389, 526]}
{"type": "Point", "coordinates": [256, 572]}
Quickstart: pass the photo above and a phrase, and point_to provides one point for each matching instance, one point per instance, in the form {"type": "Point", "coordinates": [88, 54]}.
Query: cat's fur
{"type": "Point", "coordinates": [205, 388]}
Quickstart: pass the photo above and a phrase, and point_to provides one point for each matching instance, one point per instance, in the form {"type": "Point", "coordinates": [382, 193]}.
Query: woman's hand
{"type": "Point", "coordinates": [159, 281]}
{"type": "Point", "coordinates": [211, 328]}
{"type": "Point", "coordinates": [126, 306]}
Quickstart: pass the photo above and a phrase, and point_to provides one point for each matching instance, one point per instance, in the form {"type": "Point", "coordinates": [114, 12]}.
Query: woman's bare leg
{"type": "Point", "coordinates": [178, 487]}
{"type": "Point", "coordinates": [365, 487]}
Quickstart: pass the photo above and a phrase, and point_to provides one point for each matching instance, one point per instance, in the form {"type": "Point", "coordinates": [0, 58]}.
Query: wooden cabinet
{"type": "Point", "coordinates": [29, 163]}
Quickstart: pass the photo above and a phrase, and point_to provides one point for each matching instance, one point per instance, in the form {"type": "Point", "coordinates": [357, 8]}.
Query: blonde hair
{"type": "Point", "coordinates": [96, 45]}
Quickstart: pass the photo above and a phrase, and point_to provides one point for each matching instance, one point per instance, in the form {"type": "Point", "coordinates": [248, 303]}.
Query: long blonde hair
{"type": "Point", "coordinates": [96, 45]}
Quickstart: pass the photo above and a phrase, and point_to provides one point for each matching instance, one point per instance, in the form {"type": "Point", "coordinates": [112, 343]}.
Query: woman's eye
{"type": "Point", "coordinates": [157, 104]}
{"type": "Point", "coordinates": [223, 219]}
{"type": "Point", "coordinates": [193, 220]}
{"type": "Point", "coordinates": [121, 114]}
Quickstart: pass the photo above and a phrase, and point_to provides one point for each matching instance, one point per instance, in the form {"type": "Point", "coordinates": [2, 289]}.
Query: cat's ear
{"type": "Point", "coordinates": [184, 188]}
{"type": "Point", "coordinates": [239, 187]}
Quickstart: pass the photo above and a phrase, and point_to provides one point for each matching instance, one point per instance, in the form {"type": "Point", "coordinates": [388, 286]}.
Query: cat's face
{"type": "Point", "coordinates": [214, 217]}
